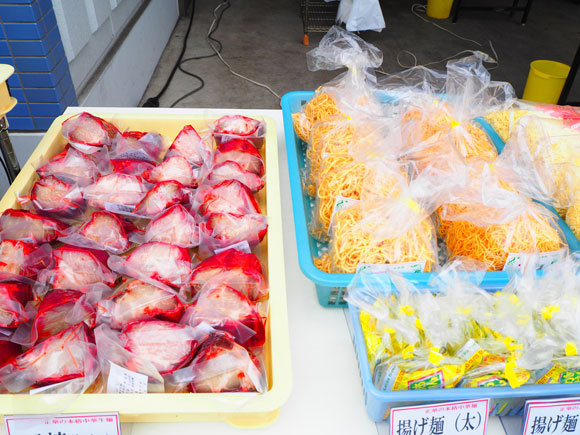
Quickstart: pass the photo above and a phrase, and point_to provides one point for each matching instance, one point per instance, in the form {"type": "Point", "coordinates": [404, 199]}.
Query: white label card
{"type": "Point", "coordinates": [410, 267]}
{"type": "Point", "coordinates": [466, 417]}
{"type": "Point", "coordinates": [516, 261]}
{"type": "Point", "coordinates": [559, 416]}
{"type": "Point", "coordinates": [123, 381]}
{"type": "Point", "coordinates": [241, 246]}
{"type": "Point", "coordinates": [340, 203]}
{"type": "Point", "coordinates": [77, 424]}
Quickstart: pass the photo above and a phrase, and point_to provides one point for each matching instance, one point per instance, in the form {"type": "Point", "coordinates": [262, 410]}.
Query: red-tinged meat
{"type": "Point", "coordinates": [77, 268]}
{"type": "Point", "coordinates": [22, 225]}
{"type": "Point", "coordinates": [71, 166]}
{"type": "Point", "coordinates": [163, 262]}
{"type": "Point", "coordinates": [55, 308]}
{"type": "Point", "coordinates": [243, 153]}
{"type": "Point", "coordinates": [52, 196]}
{"type": "Point", "coordinates": [233, 171]}
{"type": "Point", "coordinates": [236, 126]}
{"type": "Point", "coordinates": [131, 166]}
{"type": "Point", "coordinates": [228, 310]}
{"type": "Point", "coordinates": [189, 144]}
{"type": "Point", "coordinates": [168, 346]}
{"type": "Point", "coordinates": [225, 229]}
{"type": "Point", "coordinates": [223, 366]}
{"type": "Point", "coordinates": [8, 351]}
{"type": "Point", "coordinates": [139, 301]}
{"type": "Point", "coordinates": [108, 231]}
{"type": "Point", "coordinates": [13, 299]}
{"type": "Point", "coordinates": [87, 130]}
{"type": "Point", "coordinates": [175, 226]}
{"type": "Point", "coordinates": [22, 258]}
{"type": "Point", "coordinates": [163, 195]}
{"type": "Point", "coordinates": [138, 146]}
{"type": "Point", "coordinates": [235, 268]}
{"type": "Point", "coordinates": [70, 354]}
{"type": "Point", "coordinates": [116, 192]}
{"type": "Point", "coordinates": [175, 168]}
{"type": "Point", "coordinates": [229, 196]}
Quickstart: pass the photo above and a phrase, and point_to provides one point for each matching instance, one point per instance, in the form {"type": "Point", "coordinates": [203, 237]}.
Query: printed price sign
{"type": "Point", "coordinates": [70, 424]}
{"type": "Point", "coordinates": [467, 417]}
{"type": "Point", "coordinates": [559, 416]}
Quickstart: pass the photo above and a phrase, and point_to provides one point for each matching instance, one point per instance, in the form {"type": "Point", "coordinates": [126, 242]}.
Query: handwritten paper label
{"type": "Point", "coordinates": [516, 261]}
{"type": "Point", "coordinates": [77, 424]}
{"type": "Point", "coordinates": [340, 203]}
{"type": "Point", "coordinates": [558, 416]}
{"type": "Point", "coordinates": [466, 417]}
{"type": "Point", "coordinates": [240, 246]}
{"type": "Point", "coordinates": [123, 381]}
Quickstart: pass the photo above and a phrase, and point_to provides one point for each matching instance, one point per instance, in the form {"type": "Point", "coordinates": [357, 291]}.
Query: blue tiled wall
{"type": "Point", "coordinates": [30, 41]}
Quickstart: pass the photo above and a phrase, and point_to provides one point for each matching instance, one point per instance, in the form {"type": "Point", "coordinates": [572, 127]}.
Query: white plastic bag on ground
{"type": "Point", "coordinates": [359, 15]}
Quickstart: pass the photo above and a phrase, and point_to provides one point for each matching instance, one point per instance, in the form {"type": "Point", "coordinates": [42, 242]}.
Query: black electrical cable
{"type": "Point", "coordinates": [5, 169]}
{"type": "Point", "coordinates": [154, 101]}
{"type": "Point", "coordinates": [215, 24]}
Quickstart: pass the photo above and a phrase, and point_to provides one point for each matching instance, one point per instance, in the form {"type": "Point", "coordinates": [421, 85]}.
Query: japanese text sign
{"type": "Point", "coordinates": [69, 424]}
{"type": "Point", "coordinates": [559, 416]}
{"type": "Point", "coordinates": [467, 417]}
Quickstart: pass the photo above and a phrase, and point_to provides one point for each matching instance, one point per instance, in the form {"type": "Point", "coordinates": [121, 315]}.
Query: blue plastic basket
{"type": "Point", "coordinates": [505, 401]}
{"type": "Point", "coordinates": [330, 287]}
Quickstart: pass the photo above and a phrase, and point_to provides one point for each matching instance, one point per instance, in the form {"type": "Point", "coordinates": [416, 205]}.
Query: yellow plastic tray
{"type": "Point", "coordinates": [238, 409]}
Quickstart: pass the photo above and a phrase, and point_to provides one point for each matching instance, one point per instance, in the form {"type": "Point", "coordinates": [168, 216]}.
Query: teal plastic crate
{"type": "Point", "coordinates": [330, 287]}
{"type": "Point", "coordinates": [504, 401]}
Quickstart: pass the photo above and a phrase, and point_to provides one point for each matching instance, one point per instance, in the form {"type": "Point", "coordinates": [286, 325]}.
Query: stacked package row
{"type": "Point", "coordinates": [401, 173]}
{"type": "Point", "coordinates": [456, 334]}
{"type": "Point", "coordinates": [129, 257]}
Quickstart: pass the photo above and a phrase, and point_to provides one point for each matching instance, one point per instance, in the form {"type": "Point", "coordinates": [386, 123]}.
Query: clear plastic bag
{"type": "Point", "coordinates": [229, 196]}
{"type": "Point", "coordinates": [176, 226]}
{"type": "Point", "coordinates": [241, 152]}
{"type": "Point", "coordinates": [226, 309]}
{"type": "Point", "coordinates": [490, 222]}
{"type": "Point", "coordinates": [101, 231]}
{"type": "Point", "coordinates": [239, 127]}
{"type": "Point", "coordinates": [349, 91]}
{"type": "Point", "coordinates": [88, 133]}
{"type": "Point", "coordinates": [388, 231]}
{"type": "Point", "coordinates": [167, 346]}
{"type": "Point", "coordinates": [116, 192]}
{"type": "Point", "coordinates": [29, 227]}
{"type": "Point", "coordinates": [54, 197]}
{"type": "Point", "coordinates": [189, 144]}
{"type": "Point", "coordinates": [162, 196]}
{"type": "Point", "coordinates": [71, 166]}
{"type": "Point", "coordinates": [157, 263]}
{"type": "Point", "coordinates": [222, 230]}
{"type": "Point", "coordinates": [111, 351]}
{"type": "Point", "coordinates": [137, 300]}
{"type": "Point", "coordinates": [237, 269]}
{"type": "Point", "coordinates": [23, 258]}
{"type": "Point", "coordinates": [71, 354]}
{"type": "Point", "coordinates": [221, 365]}
{"type": "Point", "coordinates": [175, 168]}
{"type": "Point", "coordinates": [138, 145]}
{"type": "Point", "coordinates": [77, 269]}
{"type": "Point", "coordinates": [230, 170]}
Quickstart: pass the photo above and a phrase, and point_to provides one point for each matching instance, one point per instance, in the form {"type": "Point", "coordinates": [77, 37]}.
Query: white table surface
{"type": "Point", "coordinates": [327, 396]}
